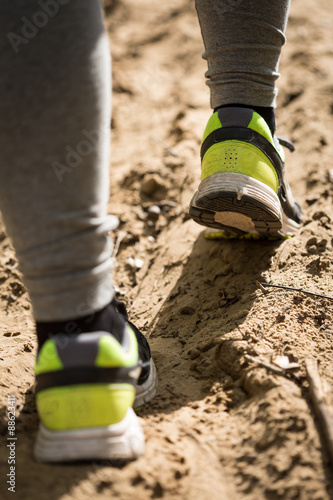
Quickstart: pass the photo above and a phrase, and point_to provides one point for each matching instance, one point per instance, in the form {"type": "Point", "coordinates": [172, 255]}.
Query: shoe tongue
{"type": "Point", "coordinates": [235, 117]}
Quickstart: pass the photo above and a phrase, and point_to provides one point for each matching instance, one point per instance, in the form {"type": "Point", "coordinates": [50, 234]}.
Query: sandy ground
{"type": "Point", "coordinates": [220, 426]}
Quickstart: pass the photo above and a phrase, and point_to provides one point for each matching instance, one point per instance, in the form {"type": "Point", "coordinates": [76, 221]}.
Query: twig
{"type": "Point", "coordinates": [273, 368]}
{"type": "Point", "coordinates": [169, 390]}
{"type": "Point", "coordinates": [259, 362]}
{"type": "Point", "coordinates": [259, 285]}
{"type": "Point", "coordinates": [322, 409]}
{"type": "Point", "coordinates": [263, 285]}
{"type": "Point", "coordinates": [121, 236]}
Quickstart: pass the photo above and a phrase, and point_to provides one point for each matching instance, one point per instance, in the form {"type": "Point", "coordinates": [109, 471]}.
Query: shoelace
{"type": "Point", "coordinates": [285, 142]}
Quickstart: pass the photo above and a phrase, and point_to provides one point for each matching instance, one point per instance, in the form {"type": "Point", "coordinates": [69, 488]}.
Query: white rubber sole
{"type": "Point", "coordinates": [146, 391]}
{"type": "Point", "coordinates": [238, 201]}
{"type": "Point", "coordinates": [123, 441]}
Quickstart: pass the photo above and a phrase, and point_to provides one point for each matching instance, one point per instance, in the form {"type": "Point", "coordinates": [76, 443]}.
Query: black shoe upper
{"type": "Point", "coordinates": [143, 345]}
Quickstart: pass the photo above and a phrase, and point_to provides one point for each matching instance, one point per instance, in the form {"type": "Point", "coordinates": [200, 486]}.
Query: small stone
{"type": "Point", "coordinates": [154, 212]}
{"type": "Point", "coordinates": [135, 264]}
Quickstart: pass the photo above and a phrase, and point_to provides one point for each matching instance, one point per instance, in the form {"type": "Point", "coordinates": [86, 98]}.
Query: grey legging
{"type": "Point", "coordinates": [55, 91]}
{"type": "Point", "coordinates": [243, 40]}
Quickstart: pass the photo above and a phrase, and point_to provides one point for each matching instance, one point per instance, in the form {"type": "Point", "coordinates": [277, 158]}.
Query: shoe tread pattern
{"type": "Point", "coordinates": [265, 221]}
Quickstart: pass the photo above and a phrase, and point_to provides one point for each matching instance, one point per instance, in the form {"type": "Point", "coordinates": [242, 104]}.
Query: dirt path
{"type": "Point", "coordinates": [219, 427]}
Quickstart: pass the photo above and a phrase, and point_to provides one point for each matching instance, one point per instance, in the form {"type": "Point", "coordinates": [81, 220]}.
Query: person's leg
{"type": "Point", "coordinates": [54, 143]}
{"type": "Point", "coordinates": [243, 185]}
{"type": "Point", "coordinates": [243, 41]}
{"type": "Point", "coordinates": [55, 91]}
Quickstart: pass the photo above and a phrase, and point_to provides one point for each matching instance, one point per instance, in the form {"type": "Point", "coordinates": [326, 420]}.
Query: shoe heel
{"type": "Point", "coordinates": [83, 406]}
{"type": "Point", "coordinates": [239, 158]}
{"type": "Point", "coordinates": [122, 441]}
{"type": "Point", "coordinates": [239, 202]}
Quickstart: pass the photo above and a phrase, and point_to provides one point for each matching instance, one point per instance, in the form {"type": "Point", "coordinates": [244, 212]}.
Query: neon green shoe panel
{"type": "Point", "coordinates": [84, 406]}
{"type": "Point", "coordinates": [259, 125]}
{"type": "Point", "coordinates": [241, 158]}
{"type": "Point", "coordinates": [48, 359]}
{"type": "Point", "coordinates": [111, 353]}
{"type": "Point", "coordinates": [213, 124]}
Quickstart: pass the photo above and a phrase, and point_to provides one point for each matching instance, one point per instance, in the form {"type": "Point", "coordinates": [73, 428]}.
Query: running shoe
{"type": "Point", "coordinates": [86, 387]}
{"type": "Point", "coordinates": [243, 185]}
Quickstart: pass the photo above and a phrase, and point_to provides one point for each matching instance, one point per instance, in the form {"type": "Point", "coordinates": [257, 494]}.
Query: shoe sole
{"type": "Point", "coordinates": [119, 442]}
{"type": "Point", "coordinates": [232, 201]}
{"type": "Point", "coordinates": [146, 391]}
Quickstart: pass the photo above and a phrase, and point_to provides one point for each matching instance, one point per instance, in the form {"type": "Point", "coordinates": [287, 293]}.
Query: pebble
{"type": "Point", "coordinates": [135, 263]}
{"type": "Point", "coordinates": [154, 212]}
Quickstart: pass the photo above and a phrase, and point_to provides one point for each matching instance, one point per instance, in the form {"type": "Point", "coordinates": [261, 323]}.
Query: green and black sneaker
{"type": "Point", "coordinates": [86, 387]}
{"type": "Point", "coordinates": [243, 185]}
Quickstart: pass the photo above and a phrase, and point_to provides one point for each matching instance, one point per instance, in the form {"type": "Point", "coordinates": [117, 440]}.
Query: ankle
{"type": "Point", "coordinates": [266, 112]}
{"type": "Point", "coordinates": [106, 320]}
